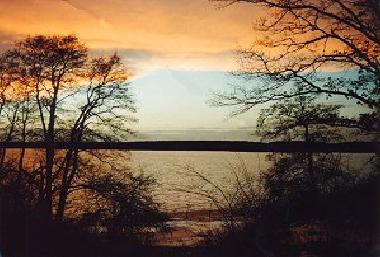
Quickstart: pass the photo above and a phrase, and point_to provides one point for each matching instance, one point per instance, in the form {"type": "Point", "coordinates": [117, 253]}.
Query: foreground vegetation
{"type": "Point", "coordinates": [335, 214]}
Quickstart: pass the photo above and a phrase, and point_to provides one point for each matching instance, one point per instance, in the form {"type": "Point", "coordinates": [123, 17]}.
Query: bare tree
{"type": "Point", "coordinates": [105, 111]}
{"type": "Point", "coordinates": [300, 118]}
{"type": "Point", "coordinates": [41, 77]}
{"type": "Point", "coordinates": [52, 63]}
{"type": "Point", "coordinates": [4, 85]}
{"type": "Point", "coordinates": [303, 48]}
{"type": "Point", "coordinates": [8, 75]}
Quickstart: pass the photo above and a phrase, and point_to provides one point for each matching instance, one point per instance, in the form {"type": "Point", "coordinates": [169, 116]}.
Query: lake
{"type": "Point", "coordinates": [178, 173]}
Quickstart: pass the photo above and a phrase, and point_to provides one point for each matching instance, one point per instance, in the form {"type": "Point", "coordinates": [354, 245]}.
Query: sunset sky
{"type": "Point", "coordinates": [178, 50]}
{"type": "Point", "coordinates": [165, 43]}
{"type": "Point", "coordinates": [151, 34]}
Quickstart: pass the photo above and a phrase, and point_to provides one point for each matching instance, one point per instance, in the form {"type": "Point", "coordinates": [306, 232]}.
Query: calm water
{"type": "Point", "coordinates": [181, 176]}
{"type": "Point", "coordinates": [176, 173]}
{"type": "Point", "coordinates": [180, 173]}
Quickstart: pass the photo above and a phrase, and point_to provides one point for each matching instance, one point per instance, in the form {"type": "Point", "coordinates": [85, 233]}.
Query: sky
{"type": "Point", "coordinates": [178, 50]}
{"type": "Point", "coordinates": [150, 34]}
{"type": "Point", "coordinates": [178, 100]}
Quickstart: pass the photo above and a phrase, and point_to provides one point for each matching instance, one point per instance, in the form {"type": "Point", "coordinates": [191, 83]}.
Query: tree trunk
{"type": "Point", "coordinates": [8, 138]}
{"type": "Point", "coordinates": [63, 192]}
{"type": "Point", "coordinates": [2, 157]}
{"type": "Point", "coordinates": [49, 155]}
{"type": "Point", "coordinates": [309, 156]}
{"type": "Point", "coordinates": [48, 194]}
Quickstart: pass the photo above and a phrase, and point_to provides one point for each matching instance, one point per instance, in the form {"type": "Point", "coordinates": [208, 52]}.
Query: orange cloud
{"type": "Point", "coordinates": [172, 28]}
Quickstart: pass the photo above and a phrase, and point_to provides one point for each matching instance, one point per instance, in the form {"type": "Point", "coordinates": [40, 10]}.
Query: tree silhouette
{"type": "Point", "coordinates": [51, 64]}
{"type": "Point", "coordinates": [40, 78]}
{"type": "Point", "coordinates": [300, 118]}
{"type": "Point", "coordinates": [305, 48]}
{"type": "Point", "coordinates": [51, 91]}
{"type": "Point", "coordinates": [107, 100]}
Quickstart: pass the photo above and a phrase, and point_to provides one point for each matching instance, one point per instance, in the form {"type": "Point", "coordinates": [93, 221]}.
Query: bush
{"type": "Point", "coordinates": [329, 211]}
